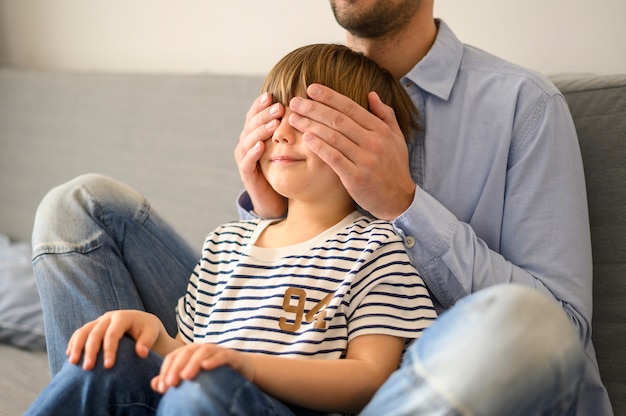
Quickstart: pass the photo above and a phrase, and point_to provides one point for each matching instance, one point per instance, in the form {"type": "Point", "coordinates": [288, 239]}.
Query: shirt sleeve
{"type": "Point", "coordinates": [390, 297]}
{"type": "Point", "coordinates": [244, 206]}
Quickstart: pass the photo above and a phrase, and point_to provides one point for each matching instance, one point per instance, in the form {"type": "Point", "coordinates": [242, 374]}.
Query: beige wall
{"type": "Point", "coordinates": [552, 36]}
{"type": "Point", "coordinates": [249, 36]}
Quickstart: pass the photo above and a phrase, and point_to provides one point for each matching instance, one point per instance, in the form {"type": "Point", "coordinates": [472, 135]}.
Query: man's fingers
{"type": "Point", "coordinates": [263, 101]}
{"type": "Point", "coordinates": [383, 111]}
{"type": "Point", "coordinates": [258, 117]}
{"type": "Point", "coordinates": [261, 121]}
{"type": "Point", "coordinates": [324, 121]}
{"type": "Point", "coordinates": [343, 105]}
{"type": "Point", "coordinates": [248, 142]}
{"type": "Point", "coordinates": [329, 133]}
{"type": "Point", "coordinates": [333, 157]}
{"type": "Point", "coordinates": [248, 161]}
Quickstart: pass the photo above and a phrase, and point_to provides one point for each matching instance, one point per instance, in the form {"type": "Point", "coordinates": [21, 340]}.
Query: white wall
{"type": "Point", "coordinates": [249, 36]}
{"type": "Point", "coordinates": [551, 36]}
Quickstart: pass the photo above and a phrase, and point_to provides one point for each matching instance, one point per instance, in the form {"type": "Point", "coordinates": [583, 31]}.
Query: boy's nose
{"type": "Point", "coordinates": [284, 133]}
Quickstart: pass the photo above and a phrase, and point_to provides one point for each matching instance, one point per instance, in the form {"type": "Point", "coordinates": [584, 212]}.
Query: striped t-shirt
{"type": "Point", "coordinates": [305, 300]}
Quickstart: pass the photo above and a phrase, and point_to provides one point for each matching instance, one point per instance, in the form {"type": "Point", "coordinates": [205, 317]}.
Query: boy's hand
{"type": "Point", "coordinates": [186, 362]}
{"type": "Point", "coordinates": [262, 119]}
{"type": "Point", "coordinates": [105, 333]}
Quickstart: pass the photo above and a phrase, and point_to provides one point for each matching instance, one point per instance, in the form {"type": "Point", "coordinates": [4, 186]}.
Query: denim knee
{"type": "Point", "coordinates": [529, 318]}
{"type": "Point", "coordinates": [514, 346]}
{"type": "Point", "coordinates": [222, 391]}
{"type": "Point", "coordinates": [123, 389]}
{"type": "Point", "coordinates": [211, 393]}
{"type": "Point", "coordinates": [65, 220]}
{"type": "Point", "coordinates": [545, 326]}
{"type": "Point", "coordinates": [129, 370]}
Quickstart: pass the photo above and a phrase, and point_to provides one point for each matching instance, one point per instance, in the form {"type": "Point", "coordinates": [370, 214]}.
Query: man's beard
{"type": "Point", "coordinates": [379, 21]}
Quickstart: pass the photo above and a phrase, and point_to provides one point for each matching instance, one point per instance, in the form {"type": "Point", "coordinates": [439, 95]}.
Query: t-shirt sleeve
{"type": "Point", "coordinates": [390, 296]}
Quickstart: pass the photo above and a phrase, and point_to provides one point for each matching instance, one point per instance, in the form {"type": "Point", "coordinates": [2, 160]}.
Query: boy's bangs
{"type": "Point", "coordinates": [287, 83]}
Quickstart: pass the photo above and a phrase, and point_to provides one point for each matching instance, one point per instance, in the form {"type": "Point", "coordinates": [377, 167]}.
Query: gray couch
{"type": "Point", "coordinates": [172, 138]}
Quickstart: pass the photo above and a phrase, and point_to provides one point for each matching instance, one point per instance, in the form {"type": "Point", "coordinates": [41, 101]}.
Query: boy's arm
{"type": "Point", "coordinates": [344, 385]}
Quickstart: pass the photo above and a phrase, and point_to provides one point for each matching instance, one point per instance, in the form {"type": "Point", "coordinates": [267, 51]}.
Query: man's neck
{"type": "Point", "coordinates": [399, 52]}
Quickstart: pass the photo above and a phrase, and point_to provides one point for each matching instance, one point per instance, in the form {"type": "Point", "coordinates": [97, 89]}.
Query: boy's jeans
{"type": "Point", "coordinates": [98, 246]}
{"type": "Point", "coordinates": [125, 390]}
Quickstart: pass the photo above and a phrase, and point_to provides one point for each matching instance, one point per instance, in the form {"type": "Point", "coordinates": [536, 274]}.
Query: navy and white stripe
{"type": "Point", "coordinates": [238, 293]}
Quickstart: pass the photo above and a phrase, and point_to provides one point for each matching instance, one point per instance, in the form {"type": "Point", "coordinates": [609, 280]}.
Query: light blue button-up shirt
{"type": "Point", "coordinates": [501, 190]}
{"type": "Point", "coordinates": [501, 195]}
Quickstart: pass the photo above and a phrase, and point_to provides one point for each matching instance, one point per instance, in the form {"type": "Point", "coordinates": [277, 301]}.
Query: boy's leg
{"type": "Point", "coordinates": [98, 246]}
{"type": "Point", "coordinates": [222, 391]}
{"type": "Point", "coordinates": [121, 390]}
{"type": "Point", "coordinates": [506, 350]}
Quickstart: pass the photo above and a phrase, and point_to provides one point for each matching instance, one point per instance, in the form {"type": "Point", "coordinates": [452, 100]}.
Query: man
{"type": "Point", "coordinates": [491, 190]}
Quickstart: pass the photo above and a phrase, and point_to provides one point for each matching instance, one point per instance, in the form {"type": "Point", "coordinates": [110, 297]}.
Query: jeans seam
{"type": "Point", "coordinates": [51, 247]}
{"type": "Point", "coordinates": [88, 245]}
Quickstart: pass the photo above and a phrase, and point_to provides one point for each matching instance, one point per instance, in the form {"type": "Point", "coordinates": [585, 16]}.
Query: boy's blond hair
{"type": "Point", "coordinates": [345, 71]}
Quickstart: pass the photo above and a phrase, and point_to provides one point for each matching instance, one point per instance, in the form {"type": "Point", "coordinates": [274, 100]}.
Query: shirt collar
{"type": "Point", "coordinates": [437, 71]}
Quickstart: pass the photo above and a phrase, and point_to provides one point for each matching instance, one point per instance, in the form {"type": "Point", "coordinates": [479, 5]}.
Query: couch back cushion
{"type": "Point", "coordinates": [171, 137]}
{"type": "Point", "coordinates": [598, 106]}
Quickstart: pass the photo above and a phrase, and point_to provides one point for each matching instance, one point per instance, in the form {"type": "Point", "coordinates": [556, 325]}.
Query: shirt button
{"type": "Point", "coordinates": [410, 242]}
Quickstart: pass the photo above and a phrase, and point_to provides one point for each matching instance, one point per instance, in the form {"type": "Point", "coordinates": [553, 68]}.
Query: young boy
{"type": "Point", "coordinates": [310, 311]}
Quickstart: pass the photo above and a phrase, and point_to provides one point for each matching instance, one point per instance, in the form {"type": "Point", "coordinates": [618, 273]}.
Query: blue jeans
{"type": "Point", "coordinates": [505, 350]}
{"type": "Point", "coordinates": [125, 390]}
{"type": "Point", "coordinates": [99, 246]}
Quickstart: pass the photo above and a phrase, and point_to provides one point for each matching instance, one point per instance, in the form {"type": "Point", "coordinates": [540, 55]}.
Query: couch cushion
{"type": "Point", "coordinates": [171, 137]}
{"type": "Point", "coordinates": [21, 317]}
{"type": "Point", "coordinates": [598, 106]}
